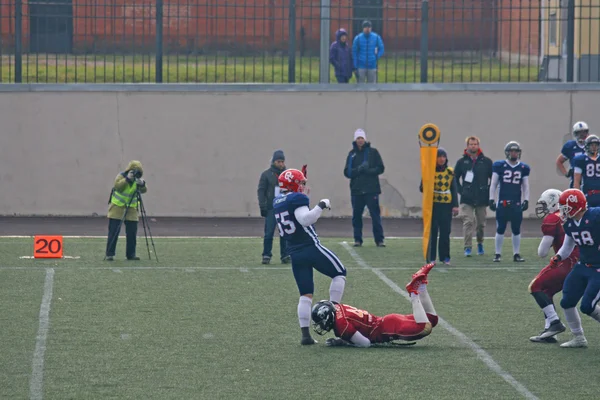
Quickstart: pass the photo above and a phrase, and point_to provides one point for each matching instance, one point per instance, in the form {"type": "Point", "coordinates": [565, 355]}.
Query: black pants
{"type": "Point", "coordinates": [371, 201]}
{"type": "Point", "coordinates": [441, 221]}
{"type": "Point", "coordinates": [114, 228]}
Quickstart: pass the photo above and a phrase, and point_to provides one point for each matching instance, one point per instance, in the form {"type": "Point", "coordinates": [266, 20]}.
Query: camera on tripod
{"type": "Point", "coordinates": [137, 174]}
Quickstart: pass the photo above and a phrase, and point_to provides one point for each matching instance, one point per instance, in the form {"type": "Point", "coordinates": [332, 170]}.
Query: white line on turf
{"type": "Point", "coordinates": [36, 390]}
{"type": "Point", "coordinates": [481, 354]}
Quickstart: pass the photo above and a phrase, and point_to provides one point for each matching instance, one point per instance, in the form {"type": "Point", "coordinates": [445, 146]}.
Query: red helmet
{"type": "Point", "coordinates": [571, 202]}
{"type": "Point", "coordinates": [292, 180]}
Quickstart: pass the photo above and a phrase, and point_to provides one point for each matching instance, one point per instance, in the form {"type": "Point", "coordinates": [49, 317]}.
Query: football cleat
{"type": "Point", "coordinates": [424, 270]}
{"type": "Point", "coordinates": [517, 258]}
{"type": "Point", "coordinates": [555, 328]}
{"type": "Point", "coordinates": [418, 278]}
{"type": "Point", "coordinates": [577, 341]}
{"type": "Point", "coordinates": [538, 339]}
{"type": "Point", "coordinates": [308, 341]}
{"type": "Point", "coordinates": [497, 258]}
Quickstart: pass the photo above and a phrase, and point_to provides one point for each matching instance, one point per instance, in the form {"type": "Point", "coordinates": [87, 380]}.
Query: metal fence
{"type": "Point", "coordinates": [287, 41]}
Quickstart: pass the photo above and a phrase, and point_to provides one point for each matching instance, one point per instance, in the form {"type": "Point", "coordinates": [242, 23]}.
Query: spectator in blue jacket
{"type": "Point", "coordinates": [367, 49]}
{"type": "Point", "coordinates": [340, 57]}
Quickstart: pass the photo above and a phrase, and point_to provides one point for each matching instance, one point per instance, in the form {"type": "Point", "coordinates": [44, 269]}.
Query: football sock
{"type": "Point", "coordinates": [426, 300]}
{"type": "Point", "coordinates": [516, 242]}
{"type": "Point", "coordinates": [304, 309]}
{"type": "Point", "coordinates": [499, 243]}
{"type": "Point", "coordinates": [542, 300]}
{"type": "Point", "coordinates": [418, 310]}
{"type": "Point", "coordinates": [596, 314]}
{"type": "Point", "coordinates": [574, 321]}
{"type": "Point", "coordinates": [336, 289]}
{"type": "Point", "coordinates": [550, 314]}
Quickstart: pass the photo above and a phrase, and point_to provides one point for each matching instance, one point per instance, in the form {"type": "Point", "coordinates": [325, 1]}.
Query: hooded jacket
{"type": "Point", "coordinates": [366, 179]}
{"type": "Point", "coordinates": [269, 180]}
{"type": "Point", "coordinates": [363, 50]}
{"type": "Point", "coordinates": [475, 193]}
{"type": "Point", "coordinates": [340, 56]}
{"type": "Point", "coordinates": [121, 183]}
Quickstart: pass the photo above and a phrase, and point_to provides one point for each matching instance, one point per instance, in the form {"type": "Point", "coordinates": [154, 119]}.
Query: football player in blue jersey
{"type": "Point", "coordinates": [572, 148]}
{"type": "Point", "coordinates": [512, 178]}
{"type": "Point", "coordinates": [587, 171]}
{"type": "Point", "coordinates": [295, 222]}
{"type": "Point", "coordinates": [582, 228]}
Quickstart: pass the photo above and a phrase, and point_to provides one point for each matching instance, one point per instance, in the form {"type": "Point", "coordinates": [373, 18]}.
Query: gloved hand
{"type": "Point", "coordinates": [554, 261]}
{"type": "Point", "coordinates": [363, 167]}
{"type": "Point", "coordinates": [335, 342]}
{"type": "Point", "coordinates": [570, 173]}
{"type": "Point", "coordinates": [263, 212]}
{"type": "Point", "coordinates": [492, 205]}
{"type": "Point", "coordinates": [130, 176]}
{"type": "Point", "coordinates": [140, 182]}
{"type": "Point", "coordinates": [524, 205]}
{"type": "Point", "coordinates": [325, 204]}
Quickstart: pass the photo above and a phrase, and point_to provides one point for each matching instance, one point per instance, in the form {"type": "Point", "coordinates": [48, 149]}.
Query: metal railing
{"type": "Point", "coordinates": [287, 41]}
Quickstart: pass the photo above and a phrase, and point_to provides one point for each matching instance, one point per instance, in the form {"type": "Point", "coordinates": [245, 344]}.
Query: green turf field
{"type": "Point", "coordinates": [210, 322]}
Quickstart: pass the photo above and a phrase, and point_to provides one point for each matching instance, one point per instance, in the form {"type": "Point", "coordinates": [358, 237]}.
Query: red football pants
{"type": "Point", "coordinates": [402, 327]}
{"type": "Point", "coordinates": [550, 280]}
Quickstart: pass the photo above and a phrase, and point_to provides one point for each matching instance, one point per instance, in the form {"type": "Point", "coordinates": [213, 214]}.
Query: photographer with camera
{"type": "Point", "coordinates": [123, 206]}
{"type": "Point", "coordinates": [473, 174]}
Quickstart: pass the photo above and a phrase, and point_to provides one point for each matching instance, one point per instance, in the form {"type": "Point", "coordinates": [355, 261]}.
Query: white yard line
{"type": "Point", "coordinates": [36, 384]}
{"type": "Point", "coordinates": [481, 354]}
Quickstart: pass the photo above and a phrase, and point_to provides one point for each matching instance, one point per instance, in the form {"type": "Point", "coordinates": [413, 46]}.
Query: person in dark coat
{"type": "Point", "coordinates": [445, 206]}
{"type": "Point", "coordinates": [268, 188]}
{"type": "Point", "coordinates": [363, 167]}
{"type": "Point", "coordinates": [340, 56]}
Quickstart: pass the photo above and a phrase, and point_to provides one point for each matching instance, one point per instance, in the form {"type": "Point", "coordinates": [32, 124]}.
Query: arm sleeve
{"type": "Point", "coordinates": [359, 340]}
{"type": "Point", "coordinates": [545, 246]}
{"type": "Point", "coordinates": [121, 182]}
{"type": "Point", "coordinates": [453, 192]}
{"type": "Point", "coordinates": [381, 47]}
{"type": "Point", "coordinates": [525, 185]}
{"type": "Point", "coordinates": [493, 186]}
{"type": "Point", "coordinates": [458, 175]}
{"type": "Point", "coordinates": [567, 247]}
{"type": "Point", "coordinates": [333, 55]}
{"type": "Point", "coordinates": [262, 187]}
{"type": "Point", "coordinates": [307, 217]}
{"type": "Point", "coordinates": [355, 52]}
{"type": "Point", "coordinates": [379, 167]}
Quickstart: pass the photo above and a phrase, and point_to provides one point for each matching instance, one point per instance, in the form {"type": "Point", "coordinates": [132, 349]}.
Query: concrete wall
{"type": "Point", "coordinates": [204, 151]}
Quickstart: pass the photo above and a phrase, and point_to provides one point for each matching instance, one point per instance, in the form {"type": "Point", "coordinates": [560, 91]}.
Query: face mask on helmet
{"type": "Point", "coordinates": [323, 317]}
{"type": "Point", "coordinates": [591, 145]}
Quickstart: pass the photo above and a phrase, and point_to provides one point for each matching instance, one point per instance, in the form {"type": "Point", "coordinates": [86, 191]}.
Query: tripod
{"type": "Point", "coordinates": [142, 210]}
{"type": "Point", "coordinates": [144, 223]}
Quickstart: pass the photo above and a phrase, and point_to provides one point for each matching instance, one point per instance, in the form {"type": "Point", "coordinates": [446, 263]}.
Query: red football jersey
{"type": "Point", "coordinates": [552, 226]}
{"type": "Point", "coordinates": [349, 320]}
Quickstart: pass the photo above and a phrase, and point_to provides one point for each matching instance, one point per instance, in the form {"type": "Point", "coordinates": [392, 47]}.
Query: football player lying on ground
{"type": "Point", "coordinates": [354, 327]}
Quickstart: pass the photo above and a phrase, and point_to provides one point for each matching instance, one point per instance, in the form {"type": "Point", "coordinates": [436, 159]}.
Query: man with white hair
{"type": "Point", "coordinates": [363, 167]}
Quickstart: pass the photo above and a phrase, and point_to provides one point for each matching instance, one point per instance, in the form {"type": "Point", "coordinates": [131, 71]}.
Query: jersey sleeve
{"type": "Point", "coordinates": [551, 225]}
{"type": "Point", "coordinates": [497, 167]}
{"type": "Point", "coordinates": [299, 200]}
{"type": "Point", "coordinates": [526, 170]}
{"type": "Point", "coordinates": [579, 162]}
{"type": "Point", "coordinates": [344, 328]}
{"type": "Point", "coordinates": [566, 150]}
{"type": "Point", "coordinates": [594, 214]}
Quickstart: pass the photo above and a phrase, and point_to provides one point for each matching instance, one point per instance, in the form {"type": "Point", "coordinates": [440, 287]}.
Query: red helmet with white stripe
{"type": "Point", "coordinates": [571, 203]}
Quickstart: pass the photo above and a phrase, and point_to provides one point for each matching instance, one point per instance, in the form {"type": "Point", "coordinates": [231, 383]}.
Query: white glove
{"type": "Point", "coordinates": [325, 204]}
{"type": "Point", "coordinates": [140, 182]}
{"type": "Point", "coordinates": [130, 176]}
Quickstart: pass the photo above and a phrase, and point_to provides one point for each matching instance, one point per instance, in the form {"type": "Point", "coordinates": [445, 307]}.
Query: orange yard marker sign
{"type": "Point", "coordinates": [45, 246]}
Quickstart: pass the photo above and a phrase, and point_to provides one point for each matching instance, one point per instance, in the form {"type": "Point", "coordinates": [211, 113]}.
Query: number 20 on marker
{"type": "Point", "coordinates": [47, 246]}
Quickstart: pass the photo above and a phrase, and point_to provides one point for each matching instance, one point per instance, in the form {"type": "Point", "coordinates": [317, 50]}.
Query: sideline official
{"type": "Point", "coordinates": [124, 203]}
